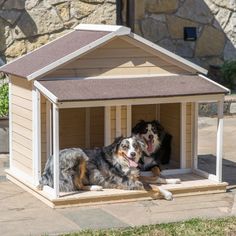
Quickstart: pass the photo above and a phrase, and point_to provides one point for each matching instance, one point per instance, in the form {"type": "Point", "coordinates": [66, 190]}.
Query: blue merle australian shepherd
{"type": "Point", "coordinates": [114, 166]}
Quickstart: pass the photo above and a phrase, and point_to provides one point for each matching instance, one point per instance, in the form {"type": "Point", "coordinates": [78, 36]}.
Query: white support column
{"type": "Point", "coordinates": [219, 140]}
{"type": "Point", "coordinates": [87, 127]}
{"type": "Point", "coordinates": [129, 120]}
{"type": "Point", "coordinates": [107, 125]}
{"type": "Point", "coordinates": [49, 128]}
{"type": "Point", "coordinates": [195, 135]}
{"type": "Point", "coordinates": [36, 136]}
{"type": "Point", "coordinates": [56, 150]}
{"type": "Point", "coordinates": [183, 136]}
{"type": "Point", "coordinates": [10, 121]}
{"type": "Point", "coordinates": [118, 121]}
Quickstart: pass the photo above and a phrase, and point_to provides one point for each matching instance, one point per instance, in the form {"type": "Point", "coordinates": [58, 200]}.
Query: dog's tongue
{"type": "Point", "coordinates": [132, 163]}
{"type": "Point", "coordinates": [149, 146]}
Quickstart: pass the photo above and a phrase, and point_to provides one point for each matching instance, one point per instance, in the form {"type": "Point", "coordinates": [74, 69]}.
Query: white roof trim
{"type": "Point", "coordinates": [71, 56]}
{"type": "Point", "coordinates": [120, 30]}
{"type": "Point", "coordinates": [168, 53]}
{"type": "Point", "coordinates": [46, 92]}
{"type": "Point", "coordinates": [215, 83]}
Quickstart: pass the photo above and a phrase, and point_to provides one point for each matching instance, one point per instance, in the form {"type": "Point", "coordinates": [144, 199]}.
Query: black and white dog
{"type": "Point", "coordinates": [157, 151]}
{"type": "Point", "coordinates": [114, 166]}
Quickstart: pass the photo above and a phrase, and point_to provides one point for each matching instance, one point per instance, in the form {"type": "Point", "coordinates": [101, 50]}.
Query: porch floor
{"type": "Point", "coordinates": [192, 184]}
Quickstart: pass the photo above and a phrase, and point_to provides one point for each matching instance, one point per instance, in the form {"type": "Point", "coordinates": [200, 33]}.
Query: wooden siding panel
{"type": "Point", "coordinates": [170, 119]}
{"type": "Point", "coordinates": [21, 96]}
{"type": "Point", "coordinates": [96, 127]}
{"type": "Point", "coordinates": [143, 112]}
{"type": "Point", "coordinates": [72, 128]}
{"type": "Point", "coordinates": [117, 57]}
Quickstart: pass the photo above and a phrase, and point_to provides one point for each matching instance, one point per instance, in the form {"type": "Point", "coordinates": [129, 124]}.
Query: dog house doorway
{"type": "Point", "coordinates": [169, 115]}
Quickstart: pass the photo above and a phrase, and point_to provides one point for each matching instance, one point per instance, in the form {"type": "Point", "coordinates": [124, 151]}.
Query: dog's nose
{"type": "Point", "coordinates": [150, 137]}
{"type": "Point", "coordinates": [132, 154]}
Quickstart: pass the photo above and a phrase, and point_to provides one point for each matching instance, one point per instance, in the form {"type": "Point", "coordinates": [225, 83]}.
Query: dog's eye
{"type": "Point", "coordinates": [124, 146]}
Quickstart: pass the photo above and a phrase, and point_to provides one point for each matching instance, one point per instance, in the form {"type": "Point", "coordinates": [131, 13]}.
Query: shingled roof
{"type": "Point", "coordinates": [82, 39]}
{"type": "Point", "coordinates": [149, 87]}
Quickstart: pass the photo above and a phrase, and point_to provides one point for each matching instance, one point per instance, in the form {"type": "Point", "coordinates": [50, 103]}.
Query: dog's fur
{"type": "Point", "coordinates": [113, 166]}
{"type": "Point", "coordinates": [157, 152]}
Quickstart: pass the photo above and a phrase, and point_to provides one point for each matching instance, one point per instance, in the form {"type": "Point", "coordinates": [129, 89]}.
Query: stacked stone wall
{"type": "Point", "coordinates": [28, 24]}
{"type": "Point", "coordinates": [163, 22]}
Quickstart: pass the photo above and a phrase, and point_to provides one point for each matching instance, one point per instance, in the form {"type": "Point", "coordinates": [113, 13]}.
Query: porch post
{"type": "Point", "coordinates": [183, 136]}
{"type": "Point", "coordinates": [195, 135]}
{"type": "Point", "coordinates": [49, 128]}
{"type": "Point", "coordinates": [107, 125]}
{"type": "Point", "coordinates": [36, 136]}
{"type": "Point", "coordinates": [219, 140]}
{"type": "Point", "coordinates": [56, 150]}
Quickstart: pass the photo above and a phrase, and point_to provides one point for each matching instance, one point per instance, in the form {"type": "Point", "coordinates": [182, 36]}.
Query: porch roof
{"type": "Point", "coordinates": [128, 88]}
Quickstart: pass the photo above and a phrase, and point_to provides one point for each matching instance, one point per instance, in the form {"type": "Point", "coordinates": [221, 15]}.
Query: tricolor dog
{"type": "Point", "coordinates": [156, 152]}
{"type": "Point", "coordinates": [114, 166]}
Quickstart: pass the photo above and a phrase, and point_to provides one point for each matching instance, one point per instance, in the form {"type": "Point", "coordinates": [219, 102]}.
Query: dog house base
{"type": "Point", "coordinates": [192, 184]}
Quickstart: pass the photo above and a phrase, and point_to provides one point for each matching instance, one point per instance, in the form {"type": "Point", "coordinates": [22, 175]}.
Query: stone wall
{"type": "Point", "coordinates": [28, 24]}
{"type": "Point", "coordinates": [163, 21]}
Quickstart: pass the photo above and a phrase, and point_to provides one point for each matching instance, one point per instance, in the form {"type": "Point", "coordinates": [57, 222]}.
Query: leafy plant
{"type": "Point", "coordinates": [4, 105]}
{"type": "Point", "coordinates": [228, 70]}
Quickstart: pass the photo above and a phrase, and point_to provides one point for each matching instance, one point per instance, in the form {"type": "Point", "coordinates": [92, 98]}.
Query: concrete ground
{"type": "Point", "coordinates": [23, 214]}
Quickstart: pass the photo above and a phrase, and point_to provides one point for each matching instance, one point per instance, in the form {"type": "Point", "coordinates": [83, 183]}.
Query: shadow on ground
{"type": "Point", "coordinates": [208, 163]}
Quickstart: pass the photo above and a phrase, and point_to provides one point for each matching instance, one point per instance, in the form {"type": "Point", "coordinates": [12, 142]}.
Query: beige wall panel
{"type": "Point", "coordinates": [124, 121]}
{"type": "Point", "coordinates": [22, 111]}
{"type": "Point", "coordinates": [118, 57]}
{"type": "Point", "coordinates": [143, 112]}
{"type": "Point", "coordinates": [118, 71]}
{"type": "Point", "coordinates": [24, 141]}
{"type": "Point", "coordinates": [72, 128]}
{"type": "Point", "coordinates": [21, 102]}
{"type": "Point", "coordinates": [22, 167]}
{"type": "Point", "coordinates": [118, 43]}
{"type": "Point", "coordinates": [22, 121]}
{"type": "Point", "coordinates": [22, 149]}
{"type": "Point", "coordinates": [96, 127]}
{"type": "Point", "coordinates": [102, 53]}
{"type": "Point", "coordinates": [170, 119]}
{"type": "Point", "coordinates": [22, 130]}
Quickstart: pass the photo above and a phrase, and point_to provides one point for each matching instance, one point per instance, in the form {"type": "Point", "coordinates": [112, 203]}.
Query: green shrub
{"type": "Point", "coordinates": [4, 99]}
{"type": "Point", "coordinates": [228, 70]}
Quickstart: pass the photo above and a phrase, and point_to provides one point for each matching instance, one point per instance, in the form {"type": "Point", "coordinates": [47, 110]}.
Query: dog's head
{"type": "Point", "coordinates": [128, 151]}
{"type": "Point", "coordinates": [150, 133]}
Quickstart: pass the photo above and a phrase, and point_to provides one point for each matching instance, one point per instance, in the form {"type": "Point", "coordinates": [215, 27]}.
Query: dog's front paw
{"type": "Point", "coordinates": [96, 188]}
{"type": "Point", "coordinates": [173, 181]}
{"type": "Point", "coordinates": [168, 196]}
{"type": "Point", "coordinates": [40, 187]}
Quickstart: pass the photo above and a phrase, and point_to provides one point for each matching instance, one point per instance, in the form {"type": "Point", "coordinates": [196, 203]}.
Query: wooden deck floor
{"type": "Point", "coordinates": [191, 184]}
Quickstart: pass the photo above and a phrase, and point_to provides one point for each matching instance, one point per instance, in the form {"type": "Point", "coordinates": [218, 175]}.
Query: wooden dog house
{"type": "Point", "coordinates": [92, 85]}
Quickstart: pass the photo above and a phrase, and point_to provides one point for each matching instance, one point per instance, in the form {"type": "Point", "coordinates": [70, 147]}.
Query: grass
{"type": "Point", "coordinates": [193, 227]}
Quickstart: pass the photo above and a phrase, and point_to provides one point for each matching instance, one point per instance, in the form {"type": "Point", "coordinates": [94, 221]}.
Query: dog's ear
{"type": "Point", "coordinates": [141, 144]}
{"type": "Point", "coordinates": [117, 143]}
{"type": "Point", "coordinates": [157, 124]}
{"type": "Point", "coordinates": [139, 126]}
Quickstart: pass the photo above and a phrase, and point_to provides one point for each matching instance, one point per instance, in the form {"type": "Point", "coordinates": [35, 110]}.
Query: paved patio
{"type": "Point", "coordinates": [23, 214]}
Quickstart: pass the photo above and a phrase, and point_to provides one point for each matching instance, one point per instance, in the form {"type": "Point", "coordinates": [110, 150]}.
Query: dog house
{"type": "Point", "coordinates": [94, 84]}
